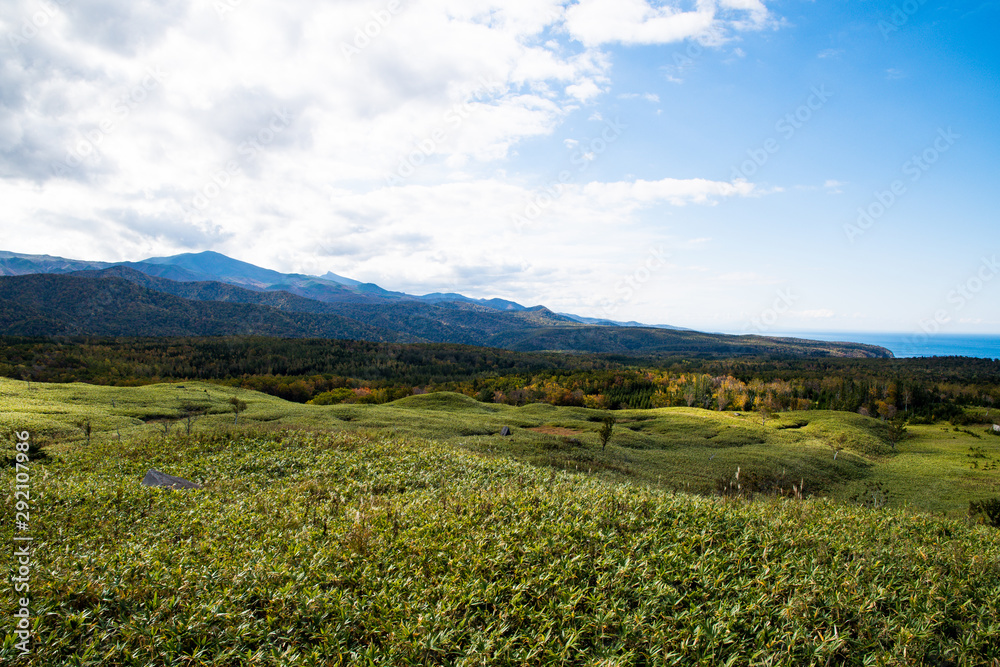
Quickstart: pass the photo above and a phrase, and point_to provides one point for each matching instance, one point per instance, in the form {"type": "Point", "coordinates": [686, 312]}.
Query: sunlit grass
{"type": "Point", "coordinates": [360, 547]}
{"type": "Point", "coordinates": [673, 448]}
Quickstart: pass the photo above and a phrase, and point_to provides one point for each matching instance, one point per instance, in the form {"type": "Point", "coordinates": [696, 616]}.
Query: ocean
{"type": "Point", "coordinates": [915, 344]}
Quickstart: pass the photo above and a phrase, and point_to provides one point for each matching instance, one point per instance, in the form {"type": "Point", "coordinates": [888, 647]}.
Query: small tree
{"type": "Point", "coordinates": [238, 407]}
{"type": "Point", "coordinates": [605, 433]}
{"type": "Point", "coordinates": [85, 426]}
{"type": "Point", "coordinates": [897, 431]}
{"type": "Point", "coordinates": [765, 409]}
{"type": "Point", "coordinates": [189, 413]}
{"type": "Point", "coordinates": [165, 423]}
{"type": "Point", "coordinates": [886, 411]}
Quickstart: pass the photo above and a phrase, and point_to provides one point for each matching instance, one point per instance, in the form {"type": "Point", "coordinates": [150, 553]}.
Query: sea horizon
{"type": "Point", "coordinates": [910, 344]}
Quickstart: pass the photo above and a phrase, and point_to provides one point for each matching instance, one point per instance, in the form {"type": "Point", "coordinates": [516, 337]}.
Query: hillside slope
{"type": "Point", "coordinates": [120, 301]}
{"type": "Point", "coordinates": [48, 305]}
{"type": "Point", "coordinates": [319, 548]}
{"type": "Point", "coordinates": [636, 340]}
{"type": "Point", "coordinates": [452, 322]}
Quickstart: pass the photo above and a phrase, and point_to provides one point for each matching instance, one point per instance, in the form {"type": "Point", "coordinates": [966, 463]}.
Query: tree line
{"type": "Point", "coordinates": [338, 371]}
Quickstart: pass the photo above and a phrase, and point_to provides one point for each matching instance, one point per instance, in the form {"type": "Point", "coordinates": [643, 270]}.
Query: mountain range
{"type": "Point", "coordinates": [209, 294]}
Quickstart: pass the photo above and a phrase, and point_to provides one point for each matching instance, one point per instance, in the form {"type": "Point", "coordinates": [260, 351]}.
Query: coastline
{"type": "Point", "coordinates": [909, 344]}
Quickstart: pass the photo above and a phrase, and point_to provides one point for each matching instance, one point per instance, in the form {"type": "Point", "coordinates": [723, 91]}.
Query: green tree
{"type": "Point", "coordinates": [765, 407]}
{"type": "Point", "coordinates": [897, 431]}
{"type": "Point", "coordinates": [606, 428]}
{"type": "Point", "coordinates": [238, 407]}
{"type": "Point", "coordinates": [886, 411]}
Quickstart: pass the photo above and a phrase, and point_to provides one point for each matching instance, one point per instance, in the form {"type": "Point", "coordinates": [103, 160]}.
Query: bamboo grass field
{"type": "Point", "coordinates": [411, 533]}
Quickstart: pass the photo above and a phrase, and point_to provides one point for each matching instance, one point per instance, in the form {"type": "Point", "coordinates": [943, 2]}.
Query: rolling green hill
{"type": "Point", "coordinates": [836, 454]}
{"type": "Point", "coordinates": [338, 535]}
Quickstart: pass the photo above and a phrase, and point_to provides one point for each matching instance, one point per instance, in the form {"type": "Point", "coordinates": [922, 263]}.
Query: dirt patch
{"type": "Point", "coordinates": [555, 430]}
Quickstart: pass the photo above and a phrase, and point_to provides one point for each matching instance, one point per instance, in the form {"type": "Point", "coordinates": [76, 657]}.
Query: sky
{"type": "Point", "coordinates": [724, 165]}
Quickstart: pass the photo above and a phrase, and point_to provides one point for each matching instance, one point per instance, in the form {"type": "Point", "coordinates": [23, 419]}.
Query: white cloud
{"type": "Point", "coordinates": [694, 243]}
{"type": "Point", "coordinates": [584, 91]}
{"type": "Point", "coordinates": [413, 237]}
{"type": "Point", "coordinates": [673, 191]}
{"type": "Point", "coordinates": [821, 313]}
{"type": "Point", "coordinates": [649, 97]}
{"type": "Point", "coordinates": [745, 278]}
{"type": "Point", "coordinates": [270, 132]}
{"type": "Point", "coordinates": [357, 100]}
{"type": "Point", "coordinates": [596, 22]}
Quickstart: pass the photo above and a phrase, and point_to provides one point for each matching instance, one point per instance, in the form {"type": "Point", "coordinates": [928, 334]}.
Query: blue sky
{"type": "Point", "coordinates": [699, 163]}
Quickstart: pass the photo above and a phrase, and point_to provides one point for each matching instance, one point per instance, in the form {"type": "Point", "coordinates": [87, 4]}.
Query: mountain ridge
{"type": "Point", "coordinates": [213, 266]}
{"type": "Point", "coordinates": [165, 296]}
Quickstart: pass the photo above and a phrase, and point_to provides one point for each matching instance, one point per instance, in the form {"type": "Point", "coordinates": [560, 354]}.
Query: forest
{"type": "Point", "coordinates": [338, 371]}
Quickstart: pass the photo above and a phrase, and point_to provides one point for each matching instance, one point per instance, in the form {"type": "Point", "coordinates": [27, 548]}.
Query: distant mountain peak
{"type": "Point", "coordinates": [209, 266]}
{"type": "Point", "coordinates": [333, 277]}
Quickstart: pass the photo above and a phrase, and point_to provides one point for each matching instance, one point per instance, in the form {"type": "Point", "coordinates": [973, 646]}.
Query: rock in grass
{"type": "Point", "coordinates": [157, 478]}
{"type": "Point", "coordinates": [505, 430]}
{"type": "Point", "coordinates": [996, 427]}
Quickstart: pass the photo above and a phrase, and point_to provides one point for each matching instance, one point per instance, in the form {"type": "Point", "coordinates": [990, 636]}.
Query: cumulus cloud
{"type": "Point", "coordinates": [376, 139]}
{"type": "Point", "coordinates": [596, 22]}
{"type": "Point", "coordinates": [673, 191]}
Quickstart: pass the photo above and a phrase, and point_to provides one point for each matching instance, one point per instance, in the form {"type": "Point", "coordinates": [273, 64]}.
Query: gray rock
{"type": "Point", "coordinates": [157, 478]}
{"type": "Point", "coordinates": [505, 430]}
{"type": "Point", "coordinates": [996, 427]}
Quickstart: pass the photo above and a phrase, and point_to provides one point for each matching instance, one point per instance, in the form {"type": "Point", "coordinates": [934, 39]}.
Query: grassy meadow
{"type": "Point", "coordinates": [935, 468]}
{"type": "Point", "coordinates": [412, 533]}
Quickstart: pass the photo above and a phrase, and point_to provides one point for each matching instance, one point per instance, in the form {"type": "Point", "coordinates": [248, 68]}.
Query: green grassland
{"type": "Point", "coordinates": [936, 468]}
{"type": "Point", "coordinates": [412, 533]}
{"type": "Point", "coordinates": [359, 543]}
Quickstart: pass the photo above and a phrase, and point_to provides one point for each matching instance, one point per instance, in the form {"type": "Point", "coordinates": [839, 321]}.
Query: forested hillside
{"type": "Point", "coordinates": [335, 371]}
{"type": "Point", "coordinates": [123, 302]}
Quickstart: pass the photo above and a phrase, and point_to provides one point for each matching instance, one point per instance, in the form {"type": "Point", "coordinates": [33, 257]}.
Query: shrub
{"type": "Point", "coordinates": [333, 397]}
{"type": "Point", "coordinates": [874, 495]}
{"type": "Point", "coordinates": [986, 511]}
